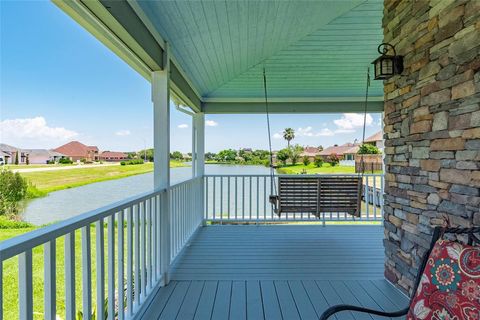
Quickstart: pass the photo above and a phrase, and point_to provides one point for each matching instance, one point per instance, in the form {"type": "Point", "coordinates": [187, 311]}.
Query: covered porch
{"type": "Point", "coordinates": [210, 247]}
{"type": "Point", "coordinates": [277, 272]}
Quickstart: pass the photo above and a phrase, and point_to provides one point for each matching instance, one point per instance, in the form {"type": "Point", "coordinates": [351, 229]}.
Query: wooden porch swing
{"type": "Point", "coordinates": [316, 194]}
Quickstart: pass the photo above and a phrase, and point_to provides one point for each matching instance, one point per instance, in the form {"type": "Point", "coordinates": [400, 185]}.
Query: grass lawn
{"type": "Point", "coordinates": [48, 181]}
{"type": "Point", "coordinates": [32, 166]}
{"type": "Point", "coordinates": [326, 168]}
{"type": "Point", "coordinates": [311, 169]}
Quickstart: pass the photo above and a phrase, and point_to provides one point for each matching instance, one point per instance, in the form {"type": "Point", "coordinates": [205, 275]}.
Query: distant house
{"type": "Point", "coordinates": [42, 156]}
{"type": "Point", "coordinates": [113, 156]}
{"type": "Point", "coordinates": [310, 152]}
{"type": "Point", "coordinates": [376, 140]}
{"type": "Point", "coordinates": [35, 156]}
{"type": "Point", "coordinates": [9, 154]}
{"type": "Point", "coordinates": [3, 157]}
{"type": "Point", "coordinates": [350, 153]}
{"type": "Point", "coordinates": [340, 151]}
{"type": "Point", "coordinates": [78, 151]}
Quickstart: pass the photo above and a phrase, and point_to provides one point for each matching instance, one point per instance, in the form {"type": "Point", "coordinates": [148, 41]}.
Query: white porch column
{"type": "Point", "coordinates": [198, 159]}
{"type": "Point", "coordinates": [161, 144]}
{"type": "Point", "coordinates": [198, 145]}
{"type": "Point", "coordinates": [161, 129]}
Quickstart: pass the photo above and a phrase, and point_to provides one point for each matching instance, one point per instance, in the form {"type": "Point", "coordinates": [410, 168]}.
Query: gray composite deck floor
{"type": "Point", "coordinates": [277, 272]}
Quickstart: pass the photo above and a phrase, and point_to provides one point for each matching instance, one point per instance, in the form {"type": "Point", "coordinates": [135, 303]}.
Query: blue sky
{"type": "Point", "coordinates": [58, 83]}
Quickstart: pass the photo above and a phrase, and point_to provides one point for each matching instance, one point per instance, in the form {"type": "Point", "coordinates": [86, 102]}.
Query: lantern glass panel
{"type": "Point", "coordinates": [387, 66]}
{"type": "Point", "coordinates": [378, 68]}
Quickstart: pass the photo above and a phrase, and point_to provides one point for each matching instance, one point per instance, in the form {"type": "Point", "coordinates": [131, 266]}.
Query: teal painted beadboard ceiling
{"type": "Point", "coordinates": [308, 48]}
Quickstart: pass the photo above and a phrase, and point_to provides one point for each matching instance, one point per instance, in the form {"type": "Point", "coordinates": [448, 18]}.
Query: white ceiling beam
{"type": "Point", "coordinates": [282, 106]}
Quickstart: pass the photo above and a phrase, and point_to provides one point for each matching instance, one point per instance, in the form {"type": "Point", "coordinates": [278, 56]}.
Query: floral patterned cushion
{"type": "Point", "coordinates": [450, 285]}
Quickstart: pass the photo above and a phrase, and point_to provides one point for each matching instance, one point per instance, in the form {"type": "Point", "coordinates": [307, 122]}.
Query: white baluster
{"type": "Point", "coordinates": [25, 286]}
{"type": "Point", "coordinates": [86, 273]}
{"type": "Point", "coordinates": [49, 295]}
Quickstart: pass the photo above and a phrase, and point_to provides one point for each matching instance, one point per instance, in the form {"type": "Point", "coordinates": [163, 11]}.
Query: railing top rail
{"type": "Point", "coordinates": [173, 186]}
{"type": "Point", "coordinates": [294, 175]}
{"type": "Point", "coordinates": [19, 244]}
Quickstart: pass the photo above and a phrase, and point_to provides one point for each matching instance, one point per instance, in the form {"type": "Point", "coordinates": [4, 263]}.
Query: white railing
{"type": "Point", "coordinates": [124, 270]}
{"type": "Point", "coordinates": [129, 265]}
{"type": "Point", "coordinates": [186, 213]}
{"type": "Point", "coordinates": [245, 198]}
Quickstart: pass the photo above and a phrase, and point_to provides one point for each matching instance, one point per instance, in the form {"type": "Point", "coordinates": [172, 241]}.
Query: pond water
{"type": "Point", "coordinates": [63, 204]}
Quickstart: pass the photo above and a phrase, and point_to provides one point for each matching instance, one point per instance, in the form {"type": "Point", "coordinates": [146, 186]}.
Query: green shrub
{"type": "Point", "coordinates": [176, 155]}
{"type": "Point", "coordinates": [13, 189]}
{"type": "Point", "coordinates": [283, 156]}
{"type": "Point", "coordinates": [64, 160]}
{"type": "Point", "coordinates": [368, 149]}
{"type": "Point", "coordinates": [333, 159]}
{"type": "Point", "coordinates": [318, 161]}
{"type": "Point", "coordinates": [294, 153]}
{"type": "Point", "coordinates": [131, 162]}
{"type": "Point", "coordinates": [306, 160]}
{"type": "Point", "coordinates": [13, 224]}
{"type": "Point", "coordinates": [33, 192]}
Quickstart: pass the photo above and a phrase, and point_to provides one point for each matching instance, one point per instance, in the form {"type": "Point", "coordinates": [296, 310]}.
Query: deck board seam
{"type": "Point", "coordinates": [278, 300]}
{"type": "Point", "coordinates": [310, 299]}
{"type": "Point", "coordinates": [293, 298]}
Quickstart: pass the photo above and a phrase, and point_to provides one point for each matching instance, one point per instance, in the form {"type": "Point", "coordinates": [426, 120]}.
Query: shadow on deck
{"type": "Point", "coordinates": [277, 272]}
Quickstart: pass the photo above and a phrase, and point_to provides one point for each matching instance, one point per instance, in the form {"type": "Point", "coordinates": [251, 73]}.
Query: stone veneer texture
{"type": "Point", "coordinates": [432, 127]}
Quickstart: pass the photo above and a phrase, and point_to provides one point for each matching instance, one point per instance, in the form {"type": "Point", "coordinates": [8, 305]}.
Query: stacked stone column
{"type": "Point", "coordinates": [432, 127]}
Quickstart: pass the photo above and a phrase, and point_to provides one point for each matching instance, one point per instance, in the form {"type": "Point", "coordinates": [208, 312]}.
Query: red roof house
{"type": "Point", "coordinates": [113, 156]}
{"type": "Point", "coordinates": [77, 151]}
{"type": "Point", "coordinates": [340, 151]}
{"type": "Point", "coordinates": [310, 152]}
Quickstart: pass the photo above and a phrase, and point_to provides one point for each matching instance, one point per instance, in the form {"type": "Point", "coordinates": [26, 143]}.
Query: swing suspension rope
{"type": "Point", "coordinates": [272, 169]}
{"type": "Point", "coordinates": [362, 164]}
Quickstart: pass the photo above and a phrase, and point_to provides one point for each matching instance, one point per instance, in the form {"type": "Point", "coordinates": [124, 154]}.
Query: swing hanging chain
{"type": "Point", "coordinates": [362, 168]}
{"type": "Point", "coordinates": [272, 170]}
{"type": "Point", "coordinates": [362, 163]}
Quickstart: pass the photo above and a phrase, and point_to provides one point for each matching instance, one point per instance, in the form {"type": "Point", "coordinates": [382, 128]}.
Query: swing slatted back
{"type": "Point", "coordinates": [340, 194]}
{"type": "Point", "coordinates": [298, 194]}
{"type": "Point", "coordinates": [321, 194]}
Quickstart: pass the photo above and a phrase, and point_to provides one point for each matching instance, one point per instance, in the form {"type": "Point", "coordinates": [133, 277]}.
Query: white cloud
{"type": "Point", "coordinates": [123, 133]}
{"type": "Point", "coordinates": [345, 130]}
{"type": "Point", "coordinates": [304, 132]}
{"type": "Point", "coordinates": [277, 136]}
{"type": "Point", "coordinates": [211, 123]}
{"type": "Point", "coordinates": [33, 132]}
{"type": "Point", "coordinates": [351, 121]}
{"type": "Point", "coordinates": [183, 126]}
{"type": "Point", "coordinates": [325, 132]}
{"type": "Point", "coordinates": [309, 132]}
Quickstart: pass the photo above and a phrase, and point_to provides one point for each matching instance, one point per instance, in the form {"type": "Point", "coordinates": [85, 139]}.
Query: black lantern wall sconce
{"type": "Point", "coordinates": [386, 66]}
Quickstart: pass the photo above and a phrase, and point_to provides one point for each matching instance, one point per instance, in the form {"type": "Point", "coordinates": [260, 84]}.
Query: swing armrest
{"type": "Point", "coordinates": [343, 307]}
{"type": "Point", "coordinates": [274, 201]}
